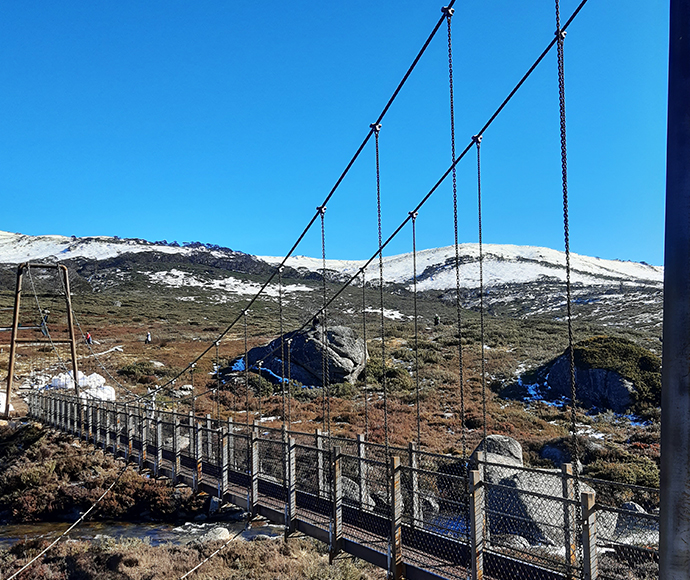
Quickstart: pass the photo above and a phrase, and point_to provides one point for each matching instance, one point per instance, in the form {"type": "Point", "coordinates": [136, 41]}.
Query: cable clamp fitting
{"type": "Point", "coordinates": [321, 209]}
{"type": "Point", "coordinates": [476, 139]}
{"type": "Point", "coordinates": [413, 215]}
{"type": "Point", "coordinates": [447, 12]}
{"type": "Point", "coordinates": [560, 34]}
{"type": "Point", "coordinates": [376, 127]}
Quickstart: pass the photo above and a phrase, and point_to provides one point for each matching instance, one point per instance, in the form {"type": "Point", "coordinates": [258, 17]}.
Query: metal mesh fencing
{"type": "Point", "coordinates": [627, 530]}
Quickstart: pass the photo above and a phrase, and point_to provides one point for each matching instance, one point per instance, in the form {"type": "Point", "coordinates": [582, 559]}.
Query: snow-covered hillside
{"type": "Point", "coordinates": [19, 248]}
{"type": "Point", "coordinates": [503, 264]}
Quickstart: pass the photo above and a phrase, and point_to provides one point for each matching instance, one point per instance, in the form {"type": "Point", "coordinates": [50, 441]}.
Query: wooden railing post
{"type": "Point", "coordinates": [396, 570]}
{"type": "Point", "coordinates": [477, 524]}
{"type": "Point", "coordinates": [253, 470]}
{"type": "Point", "coordinates": [223, 440]}
{"type": "Point", "coordinates": [159, 444]}
{"type": "Point", "coordinates": [198, 451]}
{"type": "Point", "coordinates": [362, 471]}
{"type": "Point", "coordinates": [231, 443]}
{"type": "Point", "coordinates": [129, 420]}
{"type": "Point", "coordinates": [590, 565]}
{"type": "Point", "coordinates": [417, 516]}
{"type": "Point", "coordinates": [320, 472]}
{"type": "Point", "coordinates": [143, 435]}
{"type": "Point", "coordinates": [209, 439]}
{"type": "Point", "coordinates": [107, 427]}
{"type": "Point", "coordinates": [176, 449]}
{"type": "Point", "coordinates": [336, 527]}
{"type": "Point", "coordinates": [569, 520]}
{"type": "Point", "coordinates": [291, 485]}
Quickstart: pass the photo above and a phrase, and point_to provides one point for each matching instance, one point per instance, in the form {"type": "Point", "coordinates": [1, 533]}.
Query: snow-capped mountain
{"type": "Point", "coordinates": [519, 281]}
{"type": "Point", "coordinates": [502, 264]}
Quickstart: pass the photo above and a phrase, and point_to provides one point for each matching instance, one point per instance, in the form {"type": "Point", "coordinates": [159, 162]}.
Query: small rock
{"type": "Point", "coordinates": [215, 535]}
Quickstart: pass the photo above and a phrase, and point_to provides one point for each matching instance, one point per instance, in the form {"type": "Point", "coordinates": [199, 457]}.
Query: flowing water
{"type": "Point", "coordinates": [153, 533]}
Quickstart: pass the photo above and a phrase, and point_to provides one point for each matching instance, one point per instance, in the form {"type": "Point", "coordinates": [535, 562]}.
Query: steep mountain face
{"type": "Point", "coordinates": [519, 281]}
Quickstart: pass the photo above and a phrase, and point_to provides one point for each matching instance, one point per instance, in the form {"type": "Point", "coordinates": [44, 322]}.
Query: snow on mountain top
{"type": "Point", "coordinates": [19, 248]}
{"type": "Point", "coordinates": [503, 264]}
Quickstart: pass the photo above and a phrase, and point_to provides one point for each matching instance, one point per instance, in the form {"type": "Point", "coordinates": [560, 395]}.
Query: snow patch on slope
{"type": "Point", "coordinates": [503, 264]}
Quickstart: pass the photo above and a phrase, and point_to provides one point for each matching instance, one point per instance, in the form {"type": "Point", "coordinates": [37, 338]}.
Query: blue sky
{"type": "Point", "coordinates": [228, 122]}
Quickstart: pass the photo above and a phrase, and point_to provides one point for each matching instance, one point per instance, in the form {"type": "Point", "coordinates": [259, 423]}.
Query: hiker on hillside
{"type": "Point", "coordinates": [89, 340]}
{"type": "Point", "coordinates": [148, 338]}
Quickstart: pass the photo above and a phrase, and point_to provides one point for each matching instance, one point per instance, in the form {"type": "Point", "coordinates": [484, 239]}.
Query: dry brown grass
{"type": "Point", "coordinates": [270, 559]}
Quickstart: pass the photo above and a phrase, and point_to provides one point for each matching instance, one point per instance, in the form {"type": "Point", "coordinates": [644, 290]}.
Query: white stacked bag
{"type": "Point", "coordinates": [90, 387]}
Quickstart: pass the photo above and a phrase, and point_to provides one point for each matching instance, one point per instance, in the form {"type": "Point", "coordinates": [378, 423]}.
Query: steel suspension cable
{"type": "Point", "coordinates": [478, 141]}
{"type": "Point", "coordinates": [377, 129]}
{"type": "Point", "coordinates": [438, 183]}
{"type": "Point", "coordinates": [413, 215]}
{"type": "Point", "coordinates": [289, 380]}
{"type": "Point", "coordinates": [335, 187]}
{"type": "Point", "coordinates": [443, 177]}
{"type": "Point", "coordinates": [44, 323]}
{"type": "Point", "coordinates": [325, 371]}
{"type": "Point", "coordinates": [448, 12]}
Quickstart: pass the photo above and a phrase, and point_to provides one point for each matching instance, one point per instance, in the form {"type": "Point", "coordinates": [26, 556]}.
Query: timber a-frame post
{"type": "Point", "coordinates": [15, 340]}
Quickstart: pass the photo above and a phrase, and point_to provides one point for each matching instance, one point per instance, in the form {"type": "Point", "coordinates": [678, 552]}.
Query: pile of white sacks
{"type": "Point", "coordinates": [90, 387]}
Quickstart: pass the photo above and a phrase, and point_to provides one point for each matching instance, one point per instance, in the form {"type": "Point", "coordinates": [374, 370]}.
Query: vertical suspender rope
{"type": "Point", "coordinates": [449, 13]}
{"type": "Point", "coordinates": [289, 380]}
{"type": "Point", "coordinates": [560, 37]}
{"type": "Point", "coordinates": [413, 215]}
{"type": "Point", "coordinates": [377, 130]}
{"type": "Point", "coordinates": [364, 338]}
{"type": "Point", "coordinates": [282, 340]}
{"type": "Point", "coordinates": [217, 381]}
{"type": "Point", "coordinates": [246, 372]}
{"type": "Point", "coordinates": [325, 383]}
{"type": "Point", "coordinates": [478, 141]}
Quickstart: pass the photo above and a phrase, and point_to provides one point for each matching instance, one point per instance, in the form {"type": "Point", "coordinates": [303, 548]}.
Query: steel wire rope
{"type": "Point", "coordinates": [44, 322]}
{"type": "Point", "coordinates": [282, 340]}
{"type": "Point", "coordinates": [384, 386]}
{"type": "Point", "coordinates": [89, 346]}
{"type": "Point", "coordinates": [246, 370]}
{"type": "Point", "coordinates": [335, 187]}
{"type": "Point", "coordinates": [74, 525]}
{"type": "Point", "coordinates": [325, 371]}
{"type": "Point", "coordinates": [440, 180]}
{"type": "Point", "coordinates": [416, 323]}
{"type": "Point", "coordinates": [200, 564]}
{"type": "Point", "coordinates": [364, 338]}
{"type": "Point", "coordinates": [560, 37]}
{"type": "Point", "coordinates": [448, 12]}
{"type": "Point", "coordinates": [482, 339]}
{"type": "Point", "coordinates": [289, 380]}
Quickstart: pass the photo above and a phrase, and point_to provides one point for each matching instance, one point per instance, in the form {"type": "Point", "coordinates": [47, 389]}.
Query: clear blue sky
{"type": "Point", "coordinates": [228, 122]}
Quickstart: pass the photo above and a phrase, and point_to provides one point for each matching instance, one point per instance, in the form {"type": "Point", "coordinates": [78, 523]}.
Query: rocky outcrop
{"type": "Point", "coordinates": [595, 387]}
{"type": "Point", "coordinates": [521, 502]}
{"type": "Point", "coordinates": [346, 356]}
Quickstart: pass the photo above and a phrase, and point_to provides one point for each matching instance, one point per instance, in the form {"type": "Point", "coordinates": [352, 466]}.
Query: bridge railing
{"type": "Point", "coordinates": [413, 512]}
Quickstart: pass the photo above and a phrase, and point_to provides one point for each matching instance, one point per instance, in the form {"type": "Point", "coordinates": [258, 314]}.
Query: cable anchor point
{"type": "Point", "coordinates": [413, 215]}
{"type": "Point", "coordinates": [448, 12]}
{"type": "Point", "coordinates": [376, 127]}
{"type": "Point", "coordinates": [321, 209]}
{"type": "Point", "coordinates": [560, 34]}
{"type": "Point", "coordinates": [476, 139]}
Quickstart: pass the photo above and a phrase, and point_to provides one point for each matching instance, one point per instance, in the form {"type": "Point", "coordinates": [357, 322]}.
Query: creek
{"type": "Point", "coordinates": [153, 533]}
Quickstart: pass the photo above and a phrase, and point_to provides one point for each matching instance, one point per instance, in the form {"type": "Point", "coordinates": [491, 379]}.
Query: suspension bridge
{"type": "Point", "coordinates": [415, 513]}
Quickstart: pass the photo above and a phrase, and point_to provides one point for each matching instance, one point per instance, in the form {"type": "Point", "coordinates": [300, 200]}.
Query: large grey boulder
{"type": "Point", "coordinates": [346, 355]}
{"type": "Point", "coordinates": [521, 501]}
{"type": "Point", "coordinates": [595, 387]}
